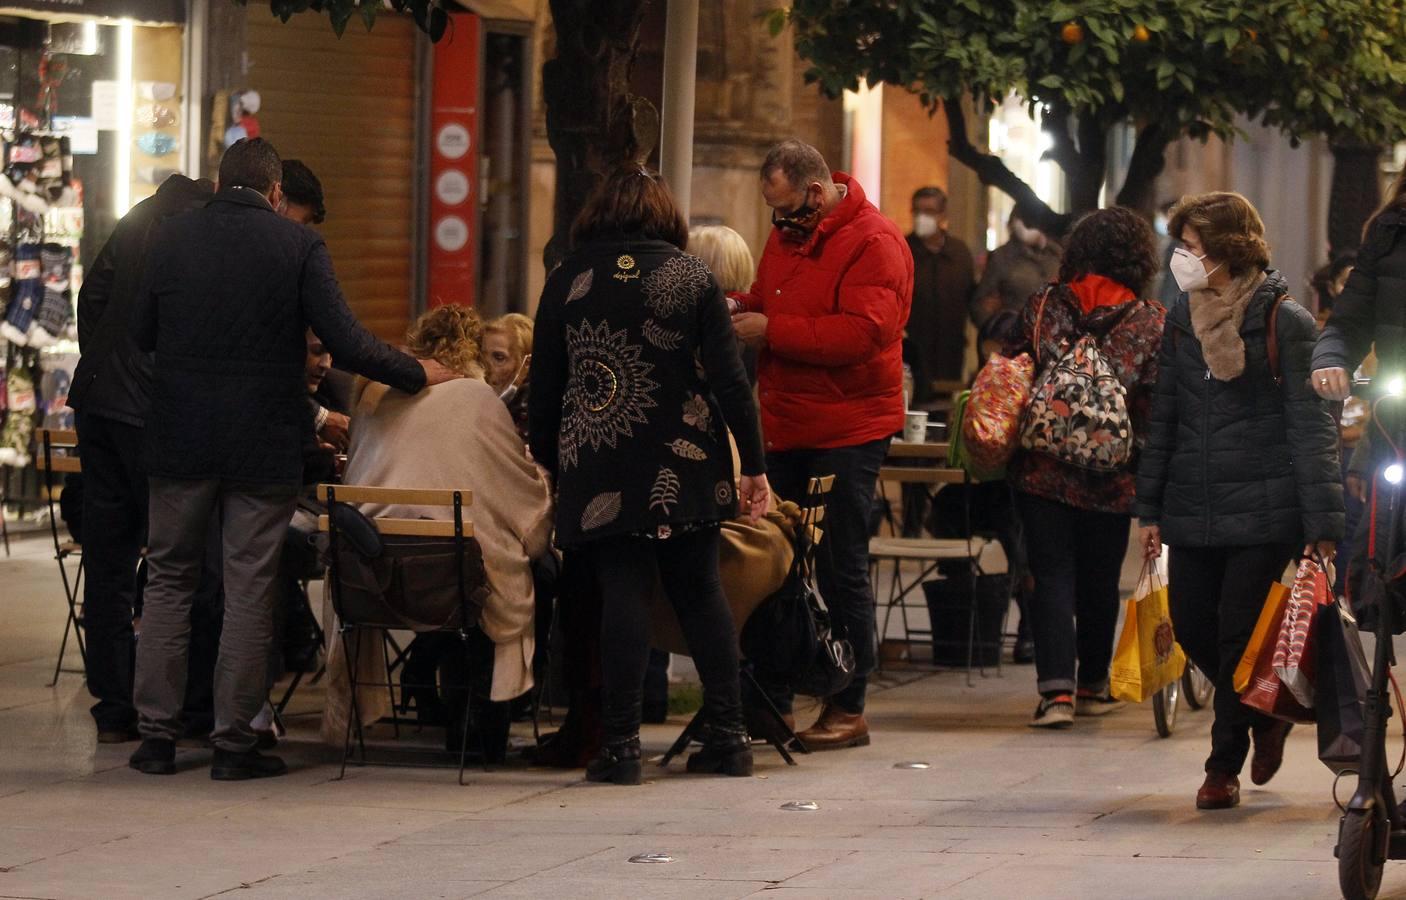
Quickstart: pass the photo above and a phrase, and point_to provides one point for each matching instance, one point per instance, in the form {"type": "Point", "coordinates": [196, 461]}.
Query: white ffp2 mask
{"type": "Point", "coordinates": [1188, 271]}
{"type": "Point", "coordinates": [925, 225]}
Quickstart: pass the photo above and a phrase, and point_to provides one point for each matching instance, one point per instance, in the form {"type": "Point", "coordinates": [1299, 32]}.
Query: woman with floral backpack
{"type": "Point", "coordinates": [1095, 348]}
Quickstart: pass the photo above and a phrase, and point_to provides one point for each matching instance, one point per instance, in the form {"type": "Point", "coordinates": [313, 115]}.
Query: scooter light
{"type": "Point", "coordinates": [1396, 386]}
{"type": "Point", "coordinates": [1393, 473]}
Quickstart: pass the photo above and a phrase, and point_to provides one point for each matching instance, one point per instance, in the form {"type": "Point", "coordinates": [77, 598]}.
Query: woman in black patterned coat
{"type": "Point", "coordinates": [636, 380]}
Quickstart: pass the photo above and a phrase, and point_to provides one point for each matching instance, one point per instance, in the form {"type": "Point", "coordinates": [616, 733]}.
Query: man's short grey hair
{"type": "Point", "coordinates": [799, 162]}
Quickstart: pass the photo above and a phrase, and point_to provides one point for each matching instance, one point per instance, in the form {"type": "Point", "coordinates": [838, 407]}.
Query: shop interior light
{"type": "Point", "coordinates": [122, 189]}
{"type": "Point", "coordinates": [1393, 473]}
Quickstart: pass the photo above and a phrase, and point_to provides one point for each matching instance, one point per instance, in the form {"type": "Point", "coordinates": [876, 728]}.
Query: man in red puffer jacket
{"type": "Point", "coordinates": [828, 311]}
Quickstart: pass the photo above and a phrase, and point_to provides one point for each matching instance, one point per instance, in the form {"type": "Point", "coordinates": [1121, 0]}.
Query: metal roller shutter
{"type": "Point", "coordinates": [347, 108]}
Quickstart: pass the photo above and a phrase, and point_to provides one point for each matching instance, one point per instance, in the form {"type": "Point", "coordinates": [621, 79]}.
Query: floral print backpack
{"type": "Point", "coordinates": [1078, 410]}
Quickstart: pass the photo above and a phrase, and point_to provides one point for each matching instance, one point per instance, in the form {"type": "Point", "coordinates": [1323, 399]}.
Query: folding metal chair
{"type": "Point", "coordinates": [927, 553]}
{"type": "Point", "coordinates": [354, 619]}
{"type": "Point", "coordinates": [59, 454]}
{"type": "Point", "coordinates": [804, 542]}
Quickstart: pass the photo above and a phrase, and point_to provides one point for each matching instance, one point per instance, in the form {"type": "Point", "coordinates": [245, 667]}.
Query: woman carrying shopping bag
{"type": "Point", "coordinates": [1240, 471]}
{"type": "Point", "coordinates": [1095, 348]}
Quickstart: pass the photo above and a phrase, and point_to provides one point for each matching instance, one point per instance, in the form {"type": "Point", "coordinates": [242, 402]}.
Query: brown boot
{"type": "Point", "coordinates": [1269, 752]}
{"type": "Point", "coordinates": [835, 730]}
{"type": "Point", "coordinates": [1218, 791]}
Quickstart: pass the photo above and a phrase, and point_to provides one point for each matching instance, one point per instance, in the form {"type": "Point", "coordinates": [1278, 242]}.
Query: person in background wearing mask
{"type": "Point", "coordinates": [507, 353]}
{"type": "Point", "coordinates": [1015, 270]}
{"type": "Point", "coordinates": [827, 310]}
{"type": "Point", "coordinates": [944, 276]}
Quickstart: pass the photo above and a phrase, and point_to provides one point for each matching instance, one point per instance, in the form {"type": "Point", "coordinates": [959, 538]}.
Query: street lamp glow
{"type": "Point", "coordinates": [1393, 473]}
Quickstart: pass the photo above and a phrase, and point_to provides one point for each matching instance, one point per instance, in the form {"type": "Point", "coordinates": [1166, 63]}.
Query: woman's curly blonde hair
{"type": "Point", "coordinates": [451, 336]}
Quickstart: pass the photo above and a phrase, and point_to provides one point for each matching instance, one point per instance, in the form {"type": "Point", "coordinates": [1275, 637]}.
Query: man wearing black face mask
{"type": "Point", "coordinates": [828, 310]}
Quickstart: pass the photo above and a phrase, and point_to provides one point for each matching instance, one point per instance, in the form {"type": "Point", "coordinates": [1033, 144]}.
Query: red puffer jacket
{"type": "Point", "coordinates": [831, 373]}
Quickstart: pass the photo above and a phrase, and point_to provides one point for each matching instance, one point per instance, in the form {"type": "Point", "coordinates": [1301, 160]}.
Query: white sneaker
{"type": "Point", "coordinates": [1054, 712]}
{"type": "Point", "coordinates": [1095, 704]}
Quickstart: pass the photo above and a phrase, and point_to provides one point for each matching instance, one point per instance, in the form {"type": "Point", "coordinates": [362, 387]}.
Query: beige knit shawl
{"type": "Point", "coordinates": [1216, 317]}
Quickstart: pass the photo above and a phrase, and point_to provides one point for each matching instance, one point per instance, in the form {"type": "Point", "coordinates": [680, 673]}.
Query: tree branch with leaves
{"type": "Point", "coordinates": [1166, 67]}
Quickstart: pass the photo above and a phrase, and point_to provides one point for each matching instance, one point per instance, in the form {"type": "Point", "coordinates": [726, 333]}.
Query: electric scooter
{"type": "Point", "coordinates": [1373, 828]}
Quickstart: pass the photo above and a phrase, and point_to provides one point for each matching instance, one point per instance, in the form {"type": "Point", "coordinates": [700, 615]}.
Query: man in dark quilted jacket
{"type": "Point", "coordinates": [226, 301]}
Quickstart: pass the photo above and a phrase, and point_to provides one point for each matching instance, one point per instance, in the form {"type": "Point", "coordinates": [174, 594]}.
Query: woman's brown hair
{"type": "Point", "coordinates": [633, 201]}
{"type": "Point", "coordinates": [451, 336]}
{"type": "Point", "coordinates": [1229, 226]}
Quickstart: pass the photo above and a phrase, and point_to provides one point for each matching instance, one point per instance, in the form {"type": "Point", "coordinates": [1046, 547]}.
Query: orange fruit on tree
{"type": "Point", "coordinates": [1252, 34]}
{"type": "Point", "coordinates": [1071, 33]}
{"type": "Point", "coordinates": [1141, 34]}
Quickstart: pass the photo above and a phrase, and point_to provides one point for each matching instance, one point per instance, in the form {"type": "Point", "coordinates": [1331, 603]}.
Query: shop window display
{"type": "Point", "coordinates": [91, 118]}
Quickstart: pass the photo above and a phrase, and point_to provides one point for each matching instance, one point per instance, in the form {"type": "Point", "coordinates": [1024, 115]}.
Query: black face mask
{"type": "Point", "coordinates": [798, 222]}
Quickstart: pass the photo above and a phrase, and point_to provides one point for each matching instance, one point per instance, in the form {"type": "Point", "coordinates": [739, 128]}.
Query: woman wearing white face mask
{"type": "Point", "coordinates": [1240, 471]}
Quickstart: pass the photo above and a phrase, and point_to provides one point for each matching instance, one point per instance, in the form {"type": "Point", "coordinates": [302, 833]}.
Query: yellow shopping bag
{"type": "Point", "coordinates": [1266, 629]}
{"type": "Point", "coordinates": [1148, 657]}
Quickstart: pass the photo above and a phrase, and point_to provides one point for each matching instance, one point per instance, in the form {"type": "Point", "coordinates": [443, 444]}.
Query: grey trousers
{"type": "Point", "coordinates": [253, 520]}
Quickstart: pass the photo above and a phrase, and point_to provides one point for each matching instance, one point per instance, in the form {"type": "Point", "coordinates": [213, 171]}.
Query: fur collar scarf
{"type": "Point", "coordinates": [1216, 317]}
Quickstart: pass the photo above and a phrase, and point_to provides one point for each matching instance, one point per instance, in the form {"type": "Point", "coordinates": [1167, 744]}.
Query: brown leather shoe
{"type": "Point", "coordinates": [1269, 752]}
{"type": "Point", "coordinates": [1218, 791]}
{"type": "Point", "coordinates": [835, 730]}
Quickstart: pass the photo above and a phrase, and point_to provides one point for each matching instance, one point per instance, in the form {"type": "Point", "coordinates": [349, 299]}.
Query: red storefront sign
{"type": "Point", "coordinates": [454, 185]}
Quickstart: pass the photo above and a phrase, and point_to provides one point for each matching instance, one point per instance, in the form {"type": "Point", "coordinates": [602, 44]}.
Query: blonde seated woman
{"type": "Point", "coordinates": [457, 435]}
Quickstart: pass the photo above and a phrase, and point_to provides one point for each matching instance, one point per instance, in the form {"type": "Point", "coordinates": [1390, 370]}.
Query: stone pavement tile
{"type": "Point", "coordinates": [432, 788]}
{"type": "Point", "coordinates": [329, 882]}
{"type": "Point", "coordinates": [1060, 878]}
{"type": "Point", "coordinates": [706, 858]}
{"type": "Point", "coordinates": [20, 845]}
{"type": "Point", "coordinates": [206, 853]}
{"type": "Point", "coordinates": [903, 873]}
{"type": "Point", "coordinates": [509, 859]}
{"type": "Point", "coordinates": [615, 888]}
{"type": "Point", "coordinates": [834, 818]}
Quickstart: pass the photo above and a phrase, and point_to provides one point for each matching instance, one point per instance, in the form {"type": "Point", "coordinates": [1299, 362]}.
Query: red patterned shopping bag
{"type": "Point", "coordinates": [1293, 651]}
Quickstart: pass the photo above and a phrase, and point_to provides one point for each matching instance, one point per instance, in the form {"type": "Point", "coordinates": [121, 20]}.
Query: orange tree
{"type": "Point", "coordinates": [1167, 67]}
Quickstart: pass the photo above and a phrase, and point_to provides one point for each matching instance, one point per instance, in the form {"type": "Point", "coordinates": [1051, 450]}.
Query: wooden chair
{"type": "Point", "coordinates": [807, 537]}
{"type": "Point", "coordinates": [59, 454]}
{"type": "Point", "coordinates": [924, 465]}
{"type": "Point", "coordinates": [351, 620]}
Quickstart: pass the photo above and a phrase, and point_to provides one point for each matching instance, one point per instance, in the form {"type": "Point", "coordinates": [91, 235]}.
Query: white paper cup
{"type": "Point", "coordinates": [915, 427]}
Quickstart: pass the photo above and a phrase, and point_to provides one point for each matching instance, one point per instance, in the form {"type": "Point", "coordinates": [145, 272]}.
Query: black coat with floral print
{"type": "Point", "coordinates": [636, 380]}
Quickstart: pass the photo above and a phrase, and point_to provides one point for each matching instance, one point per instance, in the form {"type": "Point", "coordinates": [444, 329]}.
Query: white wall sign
{"type": "Point", "coordinates": [451, 234]}
{"type": "Point", "coordinates": [452, 142]}
{"type": "Point", "coordinates": [105, 105]}
{"type": "Point", "coordinates": [452, 187]}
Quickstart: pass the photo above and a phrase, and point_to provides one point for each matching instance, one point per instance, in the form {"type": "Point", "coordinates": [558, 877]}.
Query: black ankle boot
{"type": "Point", "coordinates": [725, 752]}
{"type": "Point", "coordinates": [618, 762]}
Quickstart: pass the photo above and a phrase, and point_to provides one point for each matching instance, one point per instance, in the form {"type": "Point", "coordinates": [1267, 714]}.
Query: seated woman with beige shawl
{"type": "Point", "coordinates": [458, 435]}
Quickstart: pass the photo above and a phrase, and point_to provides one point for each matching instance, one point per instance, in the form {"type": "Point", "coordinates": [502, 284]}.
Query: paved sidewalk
{"type": "Point", "coordinates": [1103, 810]}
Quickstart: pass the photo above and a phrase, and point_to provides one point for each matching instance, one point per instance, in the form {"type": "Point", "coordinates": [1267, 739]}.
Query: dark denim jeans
{"type": "Point", "coordinates": [842, 559]}
{"type": "Point", "coordinates": [1076, 556]}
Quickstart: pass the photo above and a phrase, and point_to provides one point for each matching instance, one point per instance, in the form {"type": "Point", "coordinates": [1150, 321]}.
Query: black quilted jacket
{"type": "Point", "coordinates": [114, 378]}
{"type": "Point", "coordinates": [230, 291]}
{"type": "Point", "coordinates": [1372, 306]}
{"type": "Point", "coordinates": [1247, 461]}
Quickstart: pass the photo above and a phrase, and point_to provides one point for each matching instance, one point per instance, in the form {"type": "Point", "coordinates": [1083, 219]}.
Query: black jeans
{"type": "Point", "coordinates": [1076, 558]}
{"type": "Point", "coordinates": [114, 517]}
{"type": "Point", "coordinates": [1216, 596]}
{"type": "Point", "coordinates": [627, 570]}
{"type": "Point", "coordinates": [842, 559]}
